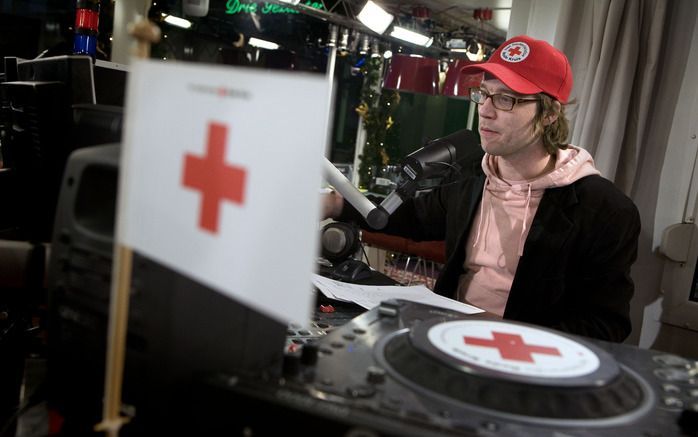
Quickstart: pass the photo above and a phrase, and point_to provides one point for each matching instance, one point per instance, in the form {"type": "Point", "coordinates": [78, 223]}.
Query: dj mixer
{"type": "Point", "coordinates": [405, 368]}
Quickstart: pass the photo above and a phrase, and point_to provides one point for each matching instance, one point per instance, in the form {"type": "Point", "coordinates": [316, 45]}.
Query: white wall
{"type": "Point", "coordinates": [676, 203]}
{"type": "Point", "coordinates": [536, 18]}
{"type": "Point", "coordinates": [677, 170]}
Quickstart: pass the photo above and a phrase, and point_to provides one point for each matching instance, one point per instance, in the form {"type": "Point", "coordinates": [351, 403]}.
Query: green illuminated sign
{"type": "Point", "coordinates": [240, 7]}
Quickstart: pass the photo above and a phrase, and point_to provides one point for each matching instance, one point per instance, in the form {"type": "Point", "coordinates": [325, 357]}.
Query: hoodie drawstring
{"type": "Point", "coordinates": [525, 220]}
{"type": "Point", "coordinates": [482, 211]}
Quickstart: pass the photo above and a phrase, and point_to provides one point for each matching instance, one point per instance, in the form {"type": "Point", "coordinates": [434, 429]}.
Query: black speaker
{"type": "Point", "coordinates": [179, 331]}
{"type": "Point", "coordinates": [79, 287]}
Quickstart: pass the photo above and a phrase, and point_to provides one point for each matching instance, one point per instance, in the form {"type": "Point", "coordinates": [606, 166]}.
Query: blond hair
{"type": "Point", "coordinates": [555, 134]}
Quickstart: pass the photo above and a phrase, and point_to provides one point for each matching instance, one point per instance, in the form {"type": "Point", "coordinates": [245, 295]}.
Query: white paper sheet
{"type": "Point", "coordinates": [369, 296]}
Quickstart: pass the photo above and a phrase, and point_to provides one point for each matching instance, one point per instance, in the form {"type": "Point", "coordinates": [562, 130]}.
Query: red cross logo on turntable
{"type": "Point", "coordinates": [512, 346]}
{"type": "Point", "coordinates": [512, 349]}
{"type": "Point", "coordinates": [216, 180]}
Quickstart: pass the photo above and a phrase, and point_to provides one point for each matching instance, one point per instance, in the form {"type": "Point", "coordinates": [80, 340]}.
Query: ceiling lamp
{"type": "Point", "coordinates": [375, 18]}
{"type": "Point", "coordinates": [263, 44]}
{"type": "Point", "coordinates": [365, 45]}
{"type": "Point", "coordinates": [414, 73]}
{"type": "Point", "coordinates": [292, 2]}
{"type": "Point", "coordinates": [375, 49]}
{"type": "Point", "coordinates": [457, 83]}
{"type": "Point", "coordinates": [475, 51]}
{"type": "Point", "coordinates": [411, 36]}
{"type": "Point", "coordinates": [344, 41]}
{"type": "Point", "coordinates": [176, 21]}
{"type": "Point", "coordinates": [332, 38]}
{"type": "Point", "coordinates": [456, 45]}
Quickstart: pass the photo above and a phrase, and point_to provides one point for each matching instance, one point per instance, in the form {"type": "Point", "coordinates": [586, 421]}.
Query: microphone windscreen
{"type": "Point", "coordinates": [446, 149]}
{"type": "Point", "coordinates": [339, 241]}
{"type": "Point", "coordinates": [334, 240]}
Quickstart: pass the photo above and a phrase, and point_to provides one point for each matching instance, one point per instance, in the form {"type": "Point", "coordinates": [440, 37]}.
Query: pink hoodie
{"type": "Point", "coordinates": [501, 227]}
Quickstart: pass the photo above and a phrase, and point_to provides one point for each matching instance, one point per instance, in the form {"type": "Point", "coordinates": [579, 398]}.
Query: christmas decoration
{"type": "Point", "coordinates": [375, 110]}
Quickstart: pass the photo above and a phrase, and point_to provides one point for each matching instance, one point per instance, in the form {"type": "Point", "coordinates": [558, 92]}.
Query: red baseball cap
{"type": "Point", "coordinates": [529, 66]}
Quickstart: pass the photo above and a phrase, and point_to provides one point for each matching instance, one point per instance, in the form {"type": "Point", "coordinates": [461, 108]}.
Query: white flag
{"type": "Point", "coordinates": [219, 177]}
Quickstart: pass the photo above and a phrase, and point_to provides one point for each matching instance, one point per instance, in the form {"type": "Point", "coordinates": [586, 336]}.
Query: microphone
{"type": "Point", "coordinates": [429, 161]}
{"type": "Point", "coordinates": [418, 165]}
{"type": "Point", "coordinates": [423, 163]}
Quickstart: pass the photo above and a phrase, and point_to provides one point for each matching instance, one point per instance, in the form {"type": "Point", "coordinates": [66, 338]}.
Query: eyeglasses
{"type": "Point", "coordinates": [503, 102]}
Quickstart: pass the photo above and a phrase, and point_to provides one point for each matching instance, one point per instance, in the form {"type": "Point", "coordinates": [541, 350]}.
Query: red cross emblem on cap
{"type": "Point", "coordinates": [216, 180]}
{"type": "Point", "coordinates": [514, 51]}
{"type": "Point", "coordinates": [512, 346]}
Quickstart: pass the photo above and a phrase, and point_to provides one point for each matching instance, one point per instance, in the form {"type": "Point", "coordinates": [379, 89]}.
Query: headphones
{"type": "Point", "coordinates": [339, 241]}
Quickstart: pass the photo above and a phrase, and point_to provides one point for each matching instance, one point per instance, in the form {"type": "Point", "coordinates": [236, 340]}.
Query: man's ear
{"type": "Point", "coordinates": [551, 117]}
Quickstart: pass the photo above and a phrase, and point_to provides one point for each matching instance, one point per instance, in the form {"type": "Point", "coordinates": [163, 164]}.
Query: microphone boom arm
{"type": "Point", "coordinates": [375, 216]}
{"type": "Point", "coordinates": [416, 166]}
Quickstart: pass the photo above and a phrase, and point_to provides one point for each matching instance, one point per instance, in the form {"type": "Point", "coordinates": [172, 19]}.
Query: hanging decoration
{"type": "Point", "coordinates": [375, 110]}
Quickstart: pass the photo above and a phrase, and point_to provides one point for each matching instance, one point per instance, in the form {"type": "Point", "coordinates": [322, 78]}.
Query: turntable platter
{"type": "Point", "coordinates": [512, 368]}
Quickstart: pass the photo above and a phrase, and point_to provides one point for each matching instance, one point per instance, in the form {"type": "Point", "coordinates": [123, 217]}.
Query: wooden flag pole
{"type": "Point", "coordinates": [112, 421]}
{"type": "Point", "coordinates": [145, 33]}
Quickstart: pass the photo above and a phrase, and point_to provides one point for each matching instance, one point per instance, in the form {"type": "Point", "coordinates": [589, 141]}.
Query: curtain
{"type": "Point", "coordinates": [628, 58]}
{"type": "Point", "coordinates": [613, 46]}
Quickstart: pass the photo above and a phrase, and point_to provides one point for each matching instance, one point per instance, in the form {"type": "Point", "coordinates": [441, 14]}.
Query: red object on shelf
{"type": "Point", "coordinates": [421, 12]}
{"type": "Point", "coordinates": [87, 19]}
{"type": "Point", "coordinates": [415, 74]}
{"type": "Point", "coordinates": [482, 14]}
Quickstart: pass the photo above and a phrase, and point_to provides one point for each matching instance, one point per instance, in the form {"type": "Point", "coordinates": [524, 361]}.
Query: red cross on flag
{"type": "Point", "coordinates": [219, 178]}
{"type": "Point", "coordinates": [215, 180]}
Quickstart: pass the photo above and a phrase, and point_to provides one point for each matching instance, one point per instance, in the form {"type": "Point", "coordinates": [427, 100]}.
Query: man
{"type": "Point", "coordinates": [533, 232]}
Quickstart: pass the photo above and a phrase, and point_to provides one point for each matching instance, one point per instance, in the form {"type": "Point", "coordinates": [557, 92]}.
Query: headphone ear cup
{"type": "Point", "coordinates": [339, 241]}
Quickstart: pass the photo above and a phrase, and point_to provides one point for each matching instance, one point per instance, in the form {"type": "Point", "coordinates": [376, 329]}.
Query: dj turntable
{"type": "Point", "coordinates": [409, 369]}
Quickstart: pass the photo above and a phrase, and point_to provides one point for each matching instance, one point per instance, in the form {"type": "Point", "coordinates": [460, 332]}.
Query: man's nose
{"type": "Point", "coordinates": [487, 108]}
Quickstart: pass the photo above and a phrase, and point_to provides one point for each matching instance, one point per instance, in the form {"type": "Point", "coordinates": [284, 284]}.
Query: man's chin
{"type": "Point", "coordinates": [489, 148]}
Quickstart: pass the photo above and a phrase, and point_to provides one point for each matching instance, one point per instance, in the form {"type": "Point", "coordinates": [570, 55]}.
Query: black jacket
{"type": "Point", "coordinates": [574, 274]}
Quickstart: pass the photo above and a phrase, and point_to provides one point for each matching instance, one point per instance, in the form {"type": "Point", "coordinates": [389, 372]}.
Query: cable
{"type": "Point", "coordinates": [447, 164]}
{"type": "Point", "coordinates": [454, 168]}
{"type": "Point", "coordinates": [363, 250]}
